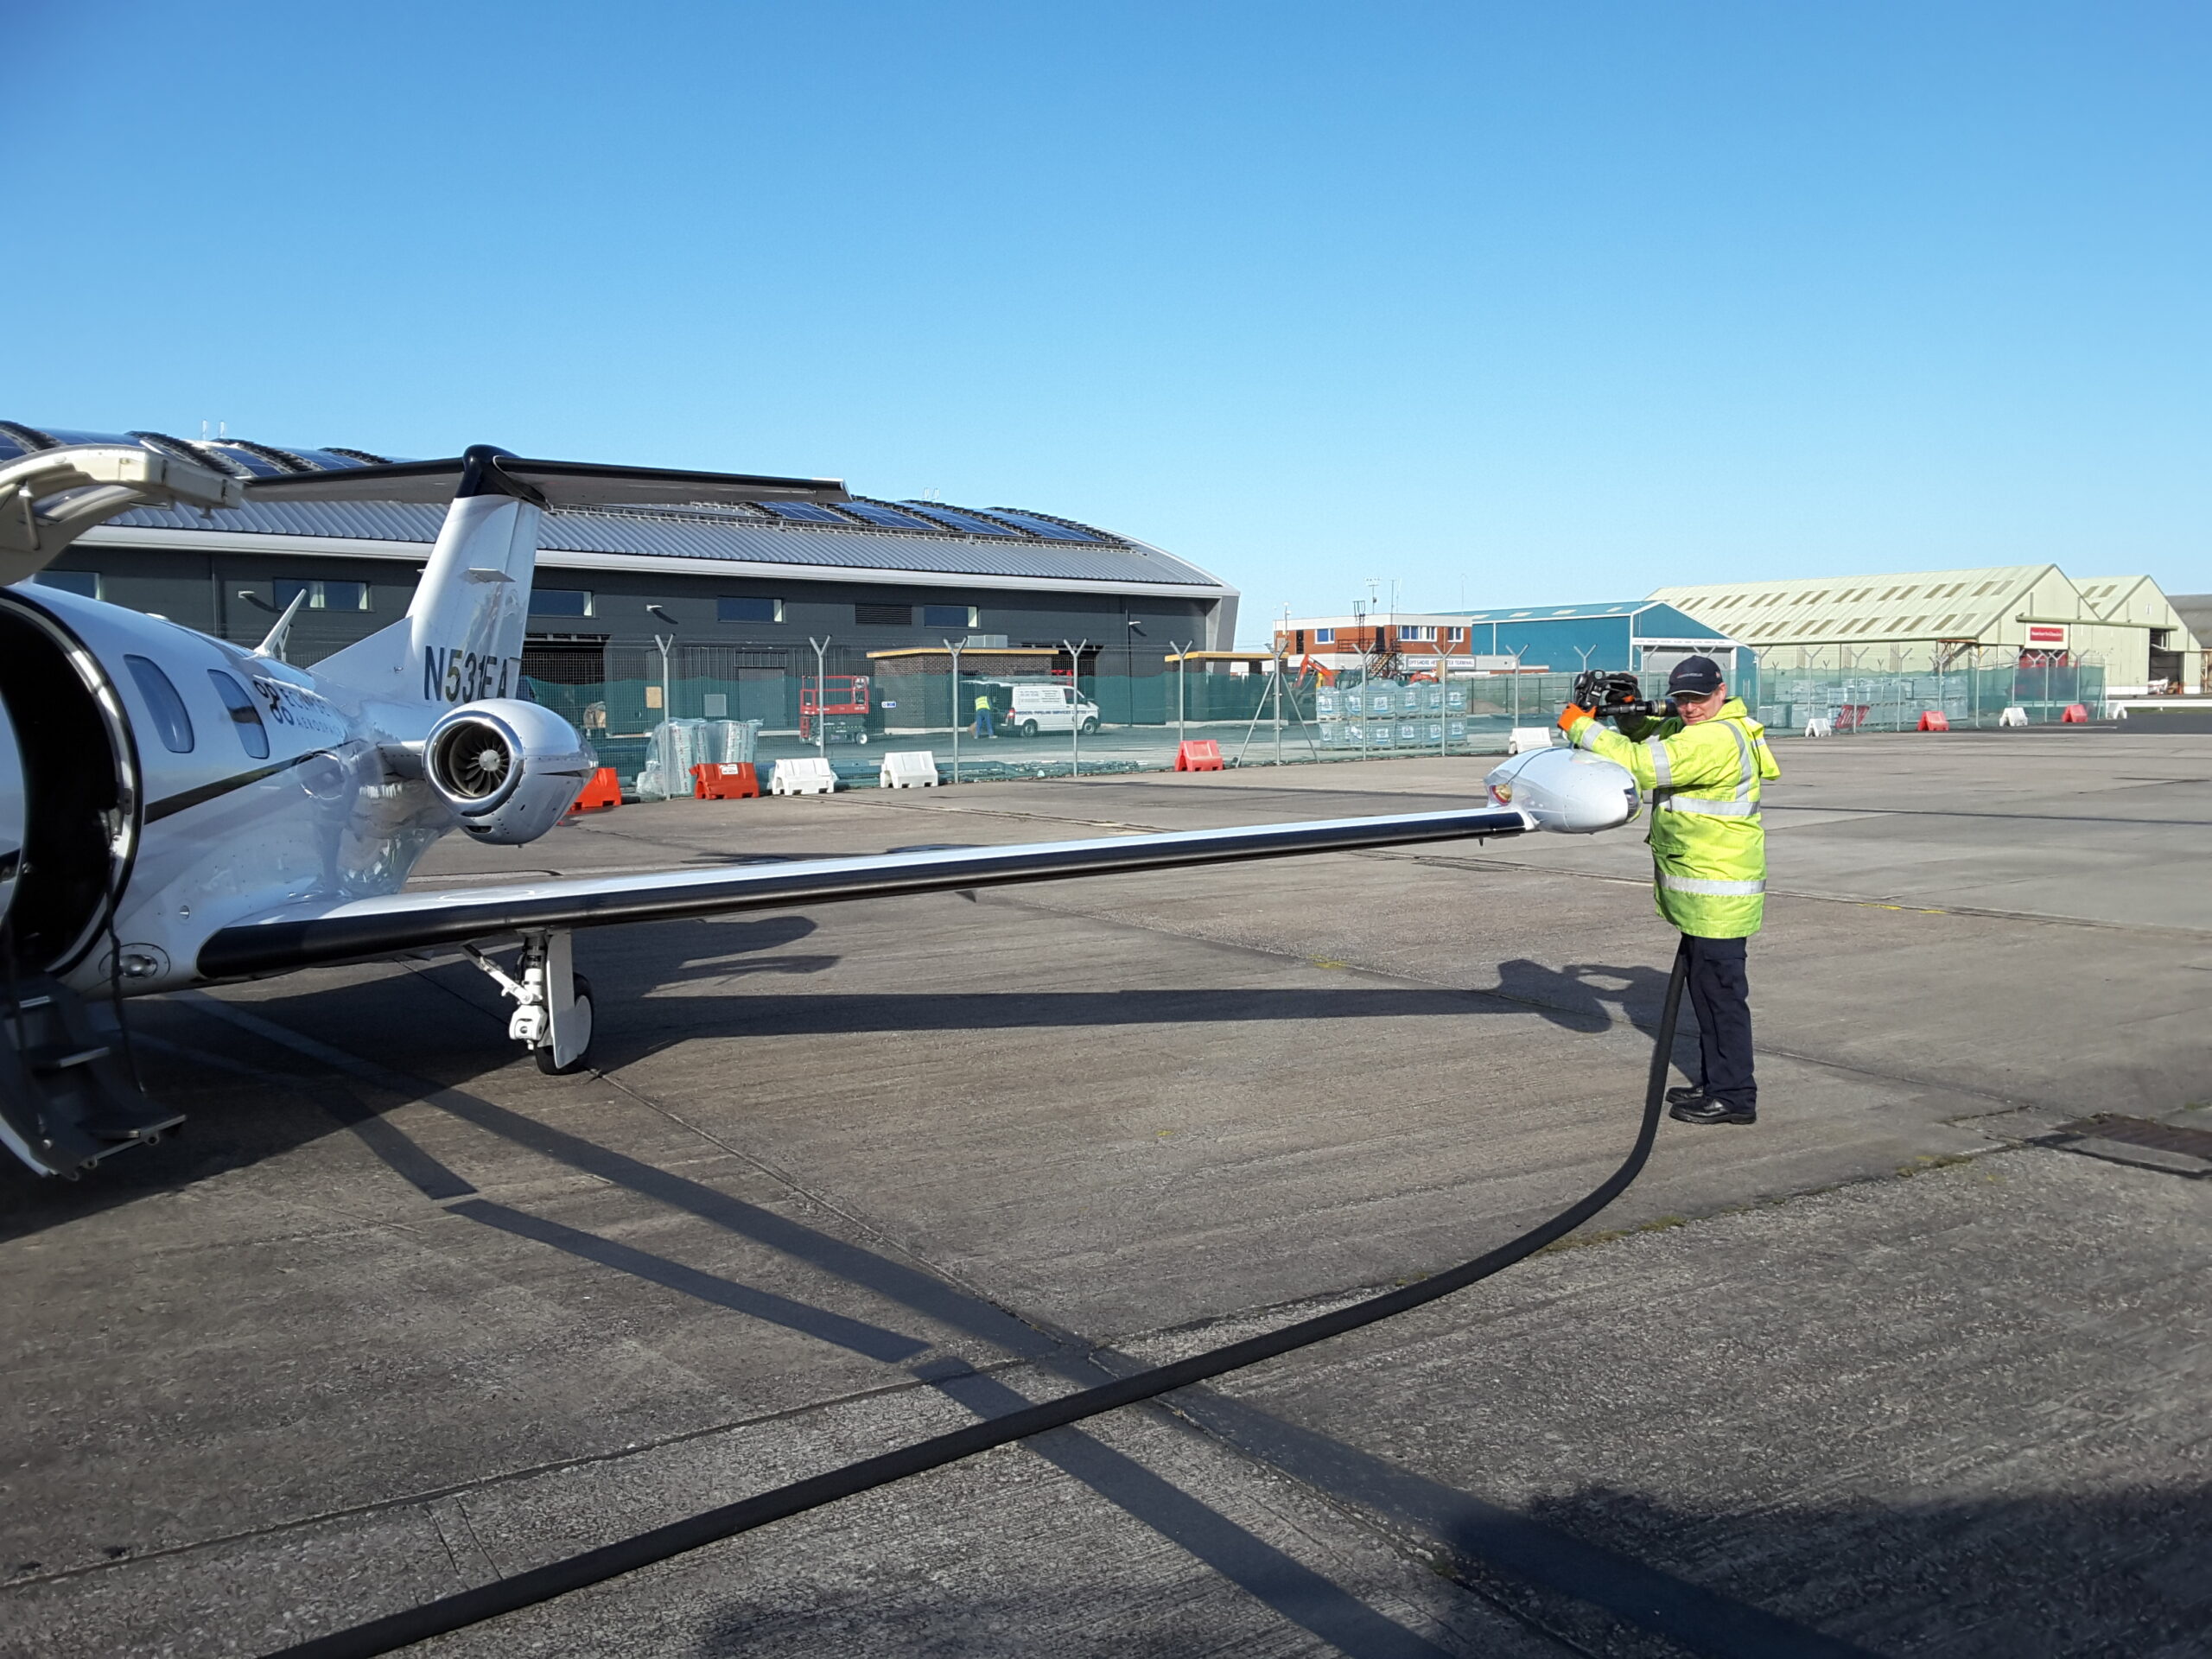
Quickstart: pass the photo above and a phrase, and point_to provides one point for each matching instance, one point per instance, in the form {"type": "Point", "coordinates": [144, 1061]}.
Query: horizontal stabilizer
{"type": "Point", "coordinates": [486, 471]}
{"type": "Point", "coordinates": [363, 928]}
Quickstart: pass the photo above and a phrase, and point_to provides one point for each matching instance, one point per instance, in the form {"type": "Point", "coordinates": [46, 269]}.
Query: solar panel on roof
{"type": "Point", "coordinates": [803, 511]}
{"type": "Point", "coordinates": [958, 520]}
{"type": "Point", "coordinates": [259, 466]}
{"type": "Point", "coordinates": [60, 436]}
{"type": "Point", "coordinates": [888, 517]}
{"type": "Point", "coordinates": [1044, 527]}
{"type": "Point", "coordinates": [329, 460]}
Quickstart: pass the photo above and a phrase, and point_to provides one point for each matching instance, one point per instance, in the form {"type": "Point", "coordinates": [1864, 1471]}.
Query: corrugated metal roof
{"type": "Point", "coordinates": [1546, 612]}
{"type": "Point", "coordinates": [651, 533]}
{"type": "Point", "coordinates": [1923, 605]}
{"type": "Point", "coordinates": [682, 532]}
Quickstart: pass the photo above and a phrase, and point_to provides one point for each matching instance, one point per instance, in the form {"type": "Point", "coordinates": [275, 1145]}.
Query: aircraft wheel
{"type": "Point", "coordinates": [544, 1056]}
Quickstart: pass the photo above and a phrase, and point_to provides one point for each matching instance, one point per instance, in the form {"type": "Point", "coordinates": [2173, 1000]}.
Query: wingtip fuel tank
{"type": "Point", "coordinates": [1567, 790]}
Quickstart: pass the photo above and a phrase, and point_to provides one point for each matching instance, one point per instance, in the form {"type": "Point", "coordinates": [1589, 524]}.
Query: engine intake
{"type": "Point", "coordinates": [509, 769]}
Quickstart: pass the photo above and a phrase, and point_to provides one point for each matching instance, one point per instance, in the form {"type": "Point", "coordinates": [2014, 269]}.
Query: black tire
{"type": "Point", "coordinates": [1088, 727]}
{"type": "Point", "coordinates": [582, 1060]}
{"type": "Point", "coordinates": [1029, 728]}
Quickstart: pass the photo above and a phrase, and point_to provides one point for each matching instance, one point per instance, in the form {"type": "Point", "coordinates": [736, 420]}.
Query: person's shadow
{"type": "Point", "coordinates": [1589, 996]}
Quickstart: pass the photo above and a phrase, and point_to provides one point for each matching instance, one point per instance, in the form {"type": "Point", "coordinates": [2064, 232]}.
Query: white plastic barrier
{"type": "Point", "coordinates": [1525, 737]}
{"type": "Point", "coordinates": [812, 776]}
{"type": "Point", "coordinates": [1819, 726]}
{"type": "Point", "coordinates": [2013, 716]}
{"type": "Point", "coordinates": [909, 769]}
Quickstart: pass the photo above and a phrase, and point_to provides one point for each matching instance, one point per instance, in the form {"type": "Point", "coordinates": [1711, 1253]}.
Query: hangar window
{"type": "Point", "coordinates": [744, 607]}
{"type": "Point", "coordinates": [245, 719]}
{"type": "Point", "coordinates": [1325, 636]}
{"type": "Point", "coordinates": [560, 601]}
{"type": "Point", "coordinates": [884, 616]}
{"type": "Point", "coordinates": [952, 616]}
{"type": "Point", "coordinates": [171, 719]}
{"type": "Point", "coordinates": [86, 582]}
{"type": "Point", "coordinates": [324, 596]}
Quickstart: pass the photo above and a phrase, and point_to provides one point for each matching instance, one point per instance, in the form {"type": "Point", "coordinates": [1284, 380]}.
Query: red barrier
{"type": "Point", "coordinates": [1201, 754]}
{"type": "Point", "coordinates": [1932, 721]}
{"type": "Point", "coordinates": [2076, 715]}
{"type": "Point", "coordinates": [605, 789]}
{"type": "Point", "coordinates": [725, 781]}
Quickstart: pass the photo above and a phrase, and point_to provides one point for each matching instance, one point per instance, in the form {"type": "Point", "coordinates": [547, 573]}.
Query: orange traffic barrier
{"type": "Point", "coordinates": [1200, 755]}
{"type": "Point", "coordinates": [605, 789]}
{"type": "Point", "coordinates": [2076, 715]}
{"type": "Point", "coordinates": [1932, 720]}
{"type": "Point", "coordinates": [725, 781]}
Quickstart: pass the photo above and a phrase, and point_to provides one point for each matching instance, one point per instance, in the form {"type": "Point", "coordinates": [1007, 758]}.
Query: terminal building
{"type": "Point", "coordinates": [2029, 615]}
{"type": "Point", "coordinates": [742, 591]}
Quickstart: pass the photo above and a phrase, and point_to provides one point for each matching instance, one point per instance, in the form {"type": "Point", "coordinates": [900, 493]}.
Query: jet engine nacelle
{"type": "Point", "coordinates": [1567, 790]}
{"type": "Point", "coordinates": [508, 768]}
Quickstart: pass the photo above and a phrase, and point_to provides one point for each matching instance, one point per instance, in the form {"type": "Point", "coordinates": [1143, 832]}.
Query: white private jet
{"type": "Point", "coordinates": [176, 811]}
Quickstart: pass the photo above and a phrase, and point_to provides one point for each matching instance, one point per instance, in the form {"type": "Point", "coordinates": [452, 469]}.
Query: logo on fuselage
{"type": "Point", "coordinates": [458, 675]}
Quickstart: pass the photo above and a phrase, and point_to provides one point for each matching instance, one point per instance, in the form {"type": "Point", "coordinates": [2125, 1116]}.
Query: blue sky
{"type": "Point", "coordinates": [1506, 303]}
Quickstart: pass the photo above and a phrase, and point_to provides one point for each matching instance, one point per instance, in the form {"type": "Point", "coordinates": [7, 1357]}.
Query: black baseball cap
{"type": "Point", "coordinates": [1698, 675]}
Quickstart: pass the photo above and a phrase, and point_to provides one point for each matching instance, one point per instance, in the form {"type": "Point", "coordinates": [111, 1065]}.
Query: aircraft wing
{"type": "Point", "coordinates": [361, 929]}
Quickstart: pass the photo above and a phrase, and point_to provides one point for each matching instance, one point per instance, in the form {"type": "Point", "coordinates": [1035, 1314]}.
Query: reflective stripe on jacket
{"type": "Point", "coordinates": [1702, 782]}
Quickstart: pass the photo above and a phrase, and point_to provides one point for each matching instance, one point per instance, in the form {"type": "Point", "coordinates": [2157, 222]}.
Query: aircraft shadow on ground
{"type": "Point", "coordinates": [1592, 1574]}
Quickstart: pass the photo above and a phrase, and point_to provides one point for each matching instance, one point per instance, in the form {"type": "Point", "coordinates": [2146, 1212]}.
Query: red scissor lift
{"type": "Point", "coordinates": [839, 703]}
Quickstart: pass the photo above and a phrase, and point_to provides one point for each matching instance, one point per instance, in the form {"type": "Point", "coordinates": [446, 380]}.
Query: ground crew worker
{"type": "Point", "coordinates": [983, 714]}
{"type": "Point", "coordinates": [1701, 770]}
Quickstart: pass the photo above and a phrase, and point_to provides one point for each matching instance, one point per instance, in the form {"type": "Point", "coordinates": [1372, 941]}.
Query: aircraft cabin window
{"type": "Point", "coordinates": [245, 717]}
{"type": "Point", "coordinates": [171, 719]}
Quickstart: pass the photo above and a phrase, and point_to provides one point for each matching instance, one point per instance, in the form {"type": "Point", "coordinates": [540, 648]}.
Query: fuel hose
{"type": "Point", "coordinates": [556, 1579]}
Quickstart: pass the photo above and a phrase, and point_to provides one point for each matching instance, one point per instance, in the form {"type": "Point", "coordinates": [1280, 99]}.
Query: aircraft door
{"type": "Point", "coordinates": [68, 792]}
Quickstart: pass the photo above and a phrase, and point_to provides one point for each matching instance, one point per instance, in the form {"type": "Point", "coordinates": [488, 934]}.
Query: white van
{"type": "Point", "coordinates": [1029, 706]}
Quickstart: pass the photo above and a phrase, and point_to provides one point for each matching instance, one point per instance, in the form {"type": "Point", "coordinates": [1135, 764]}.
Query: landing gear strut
{"type": "Point", "coordinates": [552, 1016]}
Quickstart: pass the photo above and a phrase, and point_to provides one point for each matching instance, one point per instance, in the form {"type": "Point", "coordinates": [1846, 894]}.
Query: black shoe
{"type": "Point", "coordinates": [1706, 1110]}
{"type": "Point", "coordinates": [1687, 1094]}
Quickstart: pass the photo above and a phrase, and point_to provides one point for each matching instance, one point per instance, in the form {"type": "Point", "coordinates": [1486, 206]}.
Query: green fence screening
{"type": "Point", "coordinates": [1132, 722]}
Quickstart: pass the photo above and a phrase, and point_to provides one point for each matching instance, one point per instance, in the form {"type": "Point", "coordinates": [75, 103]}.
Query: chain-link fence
{"type": "Point", "coordinates": [725, 702]}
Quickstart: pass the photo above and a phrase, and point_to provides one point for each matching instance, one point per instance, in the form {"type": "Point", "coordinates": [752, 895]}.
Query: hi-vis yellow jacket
{"type": "Point", "coordinates": [1707, 844]}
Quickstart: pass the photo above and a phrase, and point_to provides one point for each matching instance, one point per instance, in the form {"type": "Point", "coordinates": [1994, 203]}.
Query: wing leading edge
{"type": "Point", "coordinates": [365, 928]}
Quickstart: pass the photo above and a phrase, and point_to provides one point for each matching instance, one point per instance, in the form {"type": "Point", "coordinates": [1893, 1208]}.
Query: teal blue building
{"type": "Point", "coordinates": [1640, 635]}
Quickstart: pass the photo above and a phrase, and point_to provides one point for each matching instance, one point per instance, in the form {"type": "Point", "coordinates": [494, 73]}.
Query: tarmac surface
{"type": "Point", "coordinates": [1918, 1364]}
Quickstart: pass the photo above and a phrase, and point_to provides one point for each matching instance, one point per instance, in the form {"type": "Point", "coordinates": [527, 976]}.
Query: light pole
{"type": "Point", "coordinates": [821, 693]}
{"type": "Point", "coordinates": [1182, 681]}
{"type": "Point", "coordinates": [666, 642]}
{"type": "Point", "coordinates": [955, 649]}
{"type": "Point", "coordinates": [1129, 638]}
{"type": "Point", "coordinates": [1075, 706]}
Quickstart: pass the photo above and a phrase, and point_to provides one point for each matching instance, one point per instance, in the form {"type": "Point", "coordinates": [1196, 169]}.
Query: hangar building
{"type": "Point", "coordinates": [2031, 614]}
{"type": "Point", "coordinates": [746, 587]}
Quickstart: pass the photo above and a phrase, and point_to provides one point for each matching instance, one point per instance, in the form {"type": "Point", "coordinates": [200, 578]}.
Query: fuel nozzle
{"type": "Point", "coordinates": [1610, 694]}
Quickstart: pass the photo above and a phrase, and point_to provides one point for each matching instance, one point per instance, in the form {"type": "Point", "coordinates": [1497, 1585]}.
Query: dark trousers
{"type": "Point", "coordinates": [1721, 992]}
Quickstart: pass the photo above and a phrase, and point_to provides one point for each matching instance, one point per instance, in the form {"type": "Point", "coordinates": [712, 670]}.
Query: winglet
{"type": "Point", "coordinates": [273, 644]}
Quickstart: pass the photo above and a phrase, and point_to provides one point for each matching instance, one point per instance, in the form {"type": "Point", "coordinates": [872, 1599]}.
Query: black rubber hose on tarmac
{"type": "Point", "coordinates": [541, 1584]}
